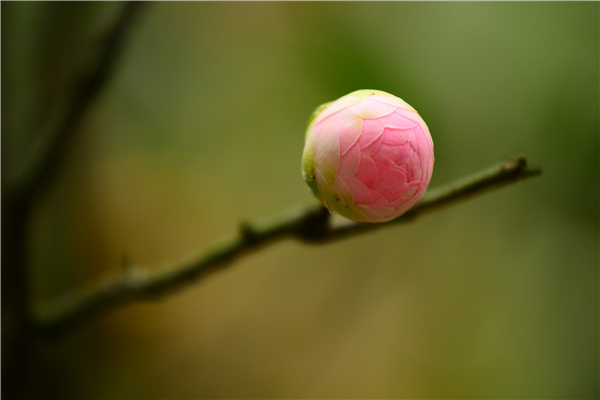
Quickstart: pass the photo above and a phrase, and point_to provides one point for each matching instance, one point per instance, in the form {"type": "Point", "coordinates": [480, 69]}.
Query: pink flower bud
{"type": "Point", "coordinates": [368, 156]}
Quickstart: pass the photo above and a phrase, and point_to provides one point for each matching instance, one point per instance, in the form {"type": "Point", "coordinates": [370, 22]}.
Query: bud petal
{"type": "Point", "coordinates": [368, 156]}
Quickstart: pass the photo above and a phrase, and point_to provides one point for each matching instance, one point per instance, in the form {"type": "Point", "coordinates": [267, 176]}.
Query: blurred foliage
{"type": "Point", "coordinates": [202, 127]}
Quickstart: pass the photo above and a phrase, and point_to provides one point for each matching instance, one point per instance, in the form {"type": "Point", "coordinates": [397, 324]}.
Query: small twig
{"type": "Point", "coordinates": [310, 224]}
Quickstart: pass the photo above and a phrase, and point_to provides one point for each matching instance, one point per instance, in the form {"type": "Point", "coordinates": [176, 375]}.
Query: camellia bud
{"type": "Point", "coordinates": [368, 156]}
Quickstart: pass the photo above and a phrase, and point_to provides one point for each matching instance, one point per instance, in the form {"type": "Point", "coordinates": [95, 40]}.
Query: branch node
{"type": "Point", "coordinates": [315, 225]}
{"type": "Point", "coordinates": [248, 232]}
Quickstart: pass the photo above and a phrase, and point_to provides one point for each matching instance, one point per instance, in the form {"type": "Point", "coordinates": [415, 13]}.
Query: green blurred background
{"type": "Point", "coordinates": [202, 127]}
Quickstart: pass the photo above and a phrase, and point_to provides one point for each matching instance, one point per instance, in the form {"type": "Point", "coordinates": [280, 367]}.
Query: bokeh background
{"type": "Point", "coordinates": [202, 127]}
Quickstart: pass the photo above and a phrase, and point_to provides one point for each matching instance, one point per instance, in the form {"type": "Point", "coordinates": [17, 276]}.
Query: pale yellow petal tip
{"type": "Point", "coordinates": [315, 114]}
{"type": "Point", "coordinates": [364, 93]}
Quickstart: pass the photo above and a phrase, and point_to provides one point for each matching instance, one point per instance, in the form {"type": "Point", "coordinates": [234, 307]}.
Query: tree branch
{"type": "Point", "coordinates": [24, 185]}
{"type": "Point", "coordinates": [310, 224]}
{"type": "Point", "coordinates": [42, 162]}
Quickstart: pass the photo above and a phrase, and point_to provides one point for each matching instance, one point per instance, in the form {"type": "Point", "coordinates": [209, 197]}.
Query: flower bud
{"type": "Point", "coordinates": [368, 156]}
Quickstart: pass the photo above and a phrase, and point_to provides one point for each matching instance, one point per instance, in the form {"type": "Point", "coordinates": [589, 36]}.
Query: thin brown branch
{"type": "Point", "coordinates": [310, 224]}
{"type": "Point", "coordinates": [43, 160]}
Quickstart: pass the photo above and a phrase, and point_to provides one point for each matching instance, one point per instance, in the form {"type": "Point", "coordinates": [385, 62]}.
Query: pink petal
{"type": "Point", "coordinates": [401, 201]}
{"type": "Point", "coordinates": [346, 195]}
{"type": "Point", "coordinates": [350, 162]}
{"type": "Point", "coordinates": [372, 148]}
{"type": "Point", "coordinates": [361, 193]}
{"type": "Point", "coordinates": [340, 104]}
{"type": "Point", "coordinates": [367, 172]}
{"type": "Point", "coordinates": [370, 213]}
{"type": "Point", "coordinates": [386, 212]}
{"type": "Point", "coordinates": [395, 136]}
{"type": "Point", "coordinates": [410, 193]}
{"type": "Point", "coordinates": [327, 148]}
{"type": "Point", "coordinates": [391, 183]}
{"type": "Point", "coordinates": [392, 155]}
{"type": "Point", "coordinates": [397, 120]}
{"type": "Point", "coordinates": [327, 191]}
{"type": "Point", "coordinates": [416, 138]}
{"type": "Point", "coordinates": [372, 129]}
{"type": "Point", "coordinates": [372, 109]}
{"type": "Point", "coordinates": [412, 115]}
{"type": "Point", "coordinates": [379, 199]}
{"type": "Point", "coordinates": [356, 215]}
{"type": "Point", "coordinates": [349, 127]}
{"type": "Point", "coordinates": [417, 173]}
